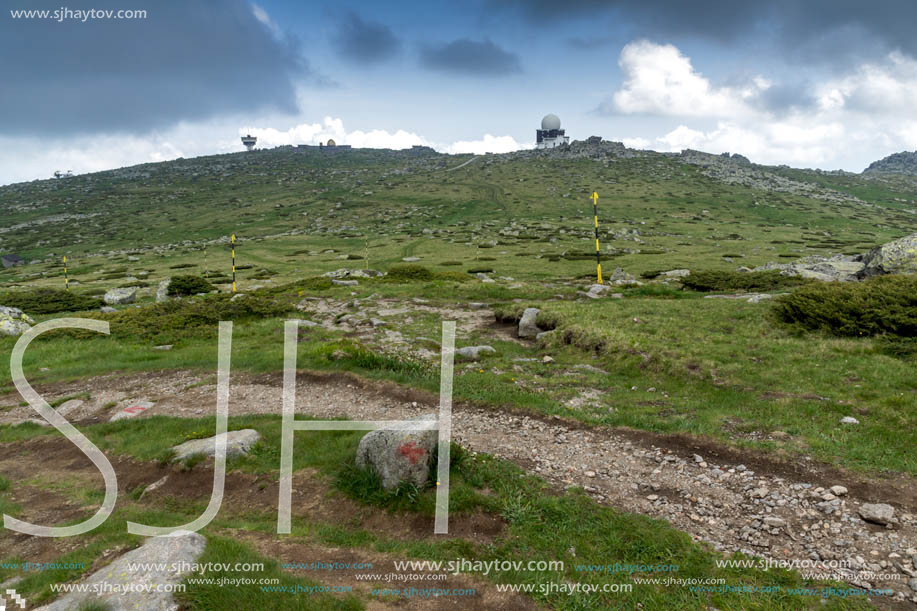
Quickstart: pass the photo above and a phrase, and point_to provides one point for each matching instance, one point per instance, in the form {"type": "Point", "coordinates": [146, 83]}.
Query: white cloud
{"type": "Point", "coordinates": [314, 133]}
{"type": "Point", "coordinates": [790, 142]}
{"type": "Point", "coordinates": [660, 80]}
{"type": "Point", "coordinates": [488, 144]}
{"type": "Point", "coordinates": [870, 108]}
{"type": "Point", "coordinates": [634, 143]}
{"type": "Point", "coordinates": [262, 16]}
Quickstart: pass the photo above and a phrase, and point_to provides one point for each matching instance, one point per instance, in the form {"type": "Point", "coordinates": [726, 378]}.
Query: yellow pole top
{"type": "Point", "coordinates": [594, 197]}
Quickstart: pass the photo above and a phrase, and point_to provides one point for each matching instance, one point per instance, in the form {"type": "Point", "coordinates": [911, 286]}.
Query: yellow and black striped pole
{"type": "Point", "coordinates": [66, 278]}
{"type": "Point", "coordinates": [233, 243]}
{"type": "Point", "coordinates": [598, 256]}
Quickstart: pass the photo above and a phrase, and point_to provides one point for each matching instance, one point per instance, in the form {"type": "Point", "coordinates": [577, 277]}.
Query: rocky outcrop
{"type": "Point", "coordinates": [904, 162]}
{"type": "Point", "coordinates": [14, 321]}
{"type": "Point", "coordinates": [898, 257]}
{"type": "Point", "coordinates": [842, 268]}
{"type": "Point", "coordinates": [399, 456]}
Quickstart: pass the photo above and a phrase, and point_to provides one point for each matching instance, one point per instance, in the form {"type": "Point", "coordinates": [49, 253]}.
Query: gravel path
{"type": "Point", "coordinates": [765, 514]}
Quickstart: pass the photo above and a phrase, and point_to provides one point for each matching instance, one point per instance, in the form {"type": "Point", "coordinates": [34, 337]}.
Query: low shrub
{"type": "Point", "coordinates": [173, 320]}
{"type": "Point", "coordinates": [719, 281]}
{"type": "Point", "coordinates": [418, 273]}
{"type": "Point", "coordinates": [181, 286]}
{"type": "Point", "coordinates": [878, 306]}
{"type": "Point", "coordinates": [49, 301]}
{"type": "Point", "coordinates": [410, 273]}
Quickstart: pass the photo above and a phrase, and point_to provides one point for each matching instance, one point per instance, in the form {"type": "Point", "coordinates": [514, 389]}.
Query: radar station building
{"type": "Point", "coordinates": [550, 135]}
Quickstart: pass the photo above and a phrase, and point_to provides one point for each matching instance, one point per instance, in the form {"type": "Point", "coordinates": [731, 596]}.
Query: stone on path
{"type": "Point", "coordinates": [877, 513]}
{"type": "Point", "coordinates": [399, 456]}
{"type": "Point", "coordinates": [238, 443]}
{"type": "Point", "coordinates": [68, 407]}
{"type": "Point", "coordinates": [180, 551]}
{"type": "Point", "coordinates": [133, 410]}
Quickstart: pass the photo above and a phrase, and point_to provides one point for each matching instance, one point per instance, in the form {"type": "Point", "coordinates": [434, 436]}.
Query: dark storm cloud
{"type": "Point", "coordinates": [466, 56]}
{"type": "Point", "coordinates": [184, 61]}
{"type": "Point", "coordinates": [817, 30]}
{"type": "Point", "coordinates": [365, 42]}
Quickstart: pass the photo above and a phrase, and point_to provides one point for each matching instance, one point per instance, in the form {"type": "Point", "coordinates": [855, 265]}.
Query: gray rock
{"type": "Point", "coordinates": [163, 347]}
{"type": "Point", "coordinates": [121, 296]}
{"type": "Point", "coordinates": [527, 326]}
{"type": "Point", "coordinates": [108, 310]}
{"type": "Point", "coordinates": [14, 322]}
{"type": "Point", "coordinates": [179, 551]}
{"type": "Point", "coordinates": [376, 322]}
{"type": "Point", "coordinates": [473, 353]}
{"type": "Point", "coordinates": [399, 456]}
{"type": "Point", "coordinates": [410, 259]}
{"type": "Point", "coordinates": [838, 490]}
{"type": "Point", "coordinates": [619, 277]}
{"type": "Point", "coordinates": [676, 273]}
{"type": "Point", "coordinates": [912, 584]}
{"type": "Point", "coordinates": [774, 521]}
{"type": "Point", "coordinates": [849, 420]}
{"type": "Point", "coordinates": [898, 257]}
{"type": "Point", "coordinates": [344, 282]}
{"type": "Point", "coordinates": [238, 296]}
{"type": "Point", "coordinates": [238, 443]}
{"type": "Point", "coordinates": [877, 513]}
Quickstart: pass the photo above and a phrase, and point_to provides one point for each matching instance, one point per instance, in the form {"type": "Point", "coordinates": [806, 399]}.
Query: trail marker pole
{"type": "Point", "coordinates": [66, 278]}
{"type": "Point", "coordinates": [233, 244]}
{"type": "Point", "coordinates": [598, 256]}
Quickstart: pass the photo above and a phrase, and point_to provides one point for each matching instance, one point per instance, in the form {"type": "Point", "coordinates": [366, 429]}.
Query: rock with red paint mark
{"type": "Point", "coordinates": [399, 456]}
{"type": "Point", "coordinates": [132, 411]}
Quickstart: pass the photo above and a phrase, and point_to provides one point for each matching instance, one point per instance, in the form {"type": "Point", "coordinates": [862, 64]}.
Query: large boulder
{"type": "Point", "coordinates": [122, 589]}
{"type": "Point", "coordinates": [14, 321]}
{"type": "Point", "coordinates": [121, 296]}
{"type": "Point", "coordinates": [527, 326]}
{"type": "Point", "coordinates": [898, 257]}
{"type": "Point", "coordinates": [238, 443]}
{"type": "Point", "coordinates": [399, 456]}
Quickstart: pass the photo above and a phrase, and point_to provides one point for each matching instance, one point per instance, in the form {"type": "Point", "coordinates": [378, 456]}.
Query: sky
{"type": "Point", "coordinates": [830, 84]}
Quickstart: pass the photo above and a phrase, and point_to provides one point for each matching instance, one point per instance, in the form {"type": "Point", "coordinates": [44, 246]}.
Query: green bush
{"type": "Point", "coordinates": [49, 301]}
{"type": "Point", "coordinates": [718, 281]}
{"type": "Point", "coordinates": [173, 320]}
{"type": "Point", "coordinates": [410, 273]}
{"type": "Point", "coordinates": [881, 305]}
{"type": "Point", "coordinates": [180, 286]}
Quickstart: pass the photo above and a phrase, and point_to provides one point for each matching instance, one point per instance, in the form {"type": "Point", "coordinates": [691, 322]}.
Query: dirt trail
{"type": "Point", "coordinates": [735, 500]}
